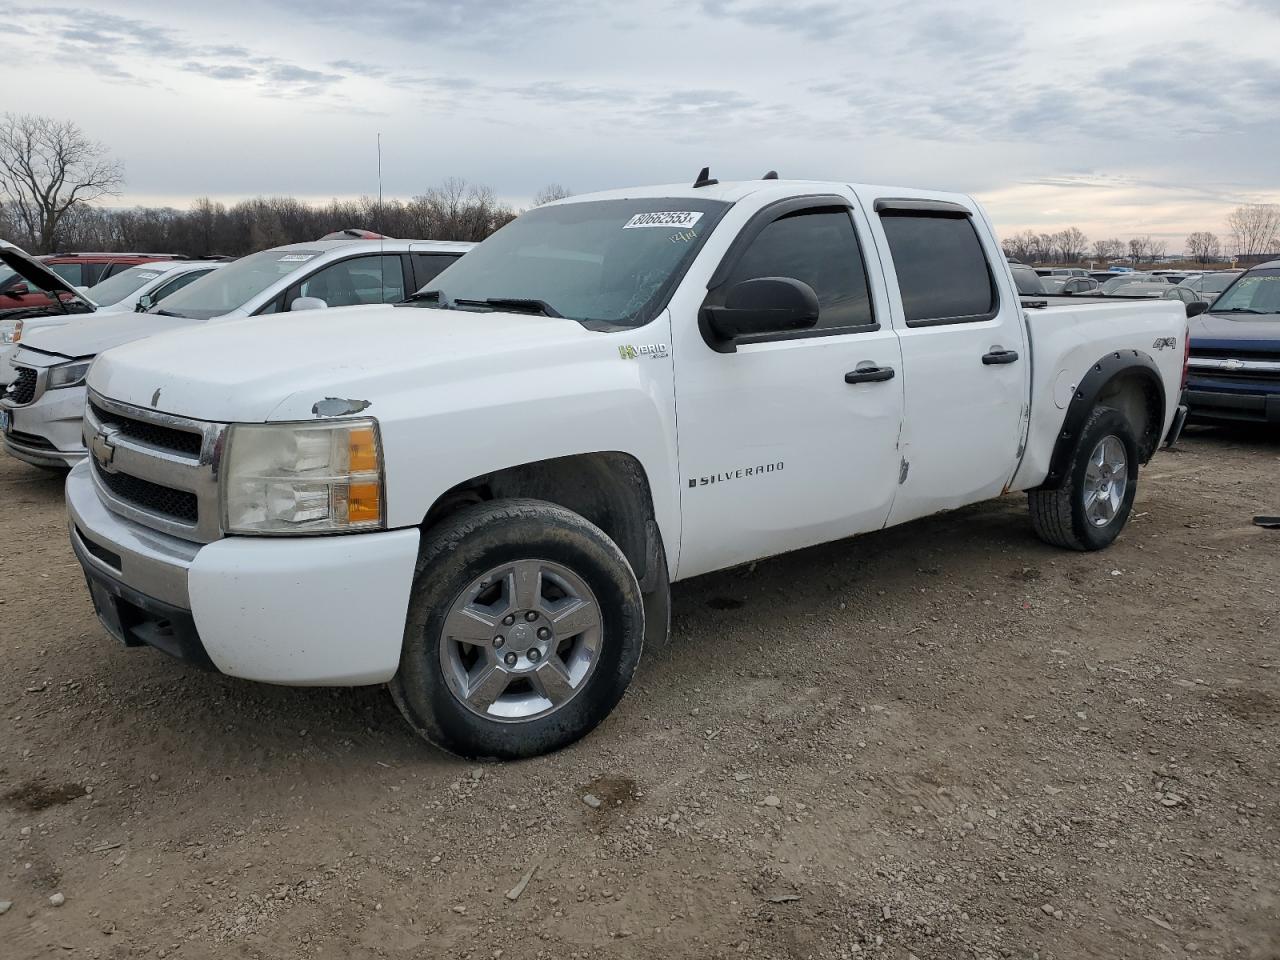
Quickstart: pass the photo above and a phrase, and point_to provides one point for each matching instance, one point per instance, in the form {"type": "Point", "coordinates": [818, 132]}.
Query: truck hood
{"type": "Point", "coordinates": [89, 336]}
{"type": "Point", "coordinates": [326, 362]}
{"type": "Point", "coordinates": [39, 276]}
{"type": "Point", "coordinates": [1248, 332]}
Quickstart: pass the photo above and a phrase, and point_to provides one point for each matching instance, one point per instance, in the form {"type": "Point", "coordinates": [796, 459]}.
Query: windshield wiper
{"type": "Point", "coordinates": [525, 304]}
{"type": "Point", "coordinates": [1239, 310]}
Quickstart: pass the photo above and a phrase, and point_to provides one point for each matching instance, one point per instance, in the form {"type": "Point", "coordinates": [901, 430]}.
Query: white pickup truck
{"type": "Point", "coordinates": [481, 496]}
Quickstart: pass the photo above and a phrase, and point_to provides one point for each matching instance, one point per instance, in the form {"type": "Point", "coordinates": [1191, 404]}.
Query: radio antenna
{"type": "Point", "coordinates": [380, 182]}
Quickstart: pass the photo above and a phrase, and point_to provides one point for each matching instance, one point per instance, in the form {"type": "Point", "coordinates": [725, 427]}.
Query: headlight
{"type": "Point", "coordinates": [294, 478]}
{"type": "Point", "coordinates": [11, 331]}
{"type": "Point", "coordinates": [68, 374]}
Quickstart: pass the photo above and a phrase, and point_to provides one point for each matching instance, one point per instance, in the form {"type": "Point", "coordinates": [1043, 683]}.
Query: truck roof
{"type": "Point", "coordinates": [733, 191]}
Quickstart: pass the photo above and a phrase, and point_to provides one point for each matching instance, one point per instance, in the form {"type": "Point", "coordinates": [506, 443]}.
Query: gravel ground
{"type": "Point", "coordinates": [942, 741]}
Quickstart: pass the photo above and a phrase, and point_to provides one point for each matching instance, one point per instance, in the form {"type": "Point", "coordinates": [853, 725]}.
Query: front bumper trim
{"type": "Point", "coordinates": [136, 619]}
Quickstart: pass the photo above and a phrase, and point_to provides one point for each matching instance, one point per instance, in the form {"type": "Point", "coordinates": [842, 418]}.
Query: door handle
{"type": "Point", "coordinates": [869, 374]}
{"type": "Point", "coordinates": [999, 355]}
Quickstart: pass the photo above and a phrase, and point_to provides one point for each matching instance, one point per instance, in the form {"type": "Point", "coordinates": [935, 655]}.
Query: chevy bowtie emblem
{"type": "Point", "coordinates": [1233, 365]}
{"type": "Point", "coordinates": [102, 449]}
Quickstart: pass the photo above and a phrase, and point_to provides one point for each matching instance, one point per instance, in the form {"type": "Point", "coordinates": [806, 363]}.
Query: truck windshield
{"type": "Point", "coordinates": [235, 284]}
{"type": "Point", "coordinates": [607, 262]}
{"type": "Point", "coordinates": [114, 289]}
{"type": "Point", "coordinates": [1258, 291]}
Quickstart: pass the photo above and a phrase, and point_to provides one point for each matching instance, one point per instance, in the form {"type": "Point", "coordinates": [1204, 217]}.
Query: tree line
{"type": "Point", "coordinates": [454, 210]}
{"type": "Point", "coordinates": [1254, 233]}
{"type": "Point", "coordinates": [52, 177]}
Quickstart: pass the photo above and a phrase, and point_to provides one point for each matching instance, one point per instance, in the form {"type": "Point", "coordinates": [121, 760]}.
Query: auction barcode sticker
{"type": "Point", "coordinates": [295, 257]}
{"type": "Point", "coordinates": [664, 218]}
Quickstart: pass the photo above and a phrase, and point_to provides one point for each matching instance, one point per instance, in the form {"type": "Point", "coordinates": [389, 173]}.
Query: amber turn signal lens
{"type": "Point", "coordinates": [362, 450]}
{"type": "Point", "coordinates": [364, 502]}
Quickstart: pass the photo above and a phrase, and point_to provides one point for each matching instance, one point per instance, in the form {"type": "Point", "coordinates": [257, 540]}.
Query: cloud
{"type": "Point", "coordinates": [816, 21]}
{"type": "Point", "coordinates": [109, 44]}
{"type": "Point", "coordinates": [1056, 117]}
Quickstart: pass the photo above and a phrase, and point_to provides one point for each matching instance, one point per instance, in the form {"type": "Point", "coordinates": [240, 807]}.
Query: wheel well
{"type": "Point", "coordinates": [1127, 380]}
{"type": "Point", "coordinates": [610, 489]}
{"type": "Point", "coordinates": [1139, 399]}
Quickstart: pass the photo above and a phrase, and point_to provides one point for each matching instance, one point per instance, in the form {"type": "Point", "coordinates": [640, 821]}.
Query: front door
{"type": "Point", "coordinates": [790, 439]}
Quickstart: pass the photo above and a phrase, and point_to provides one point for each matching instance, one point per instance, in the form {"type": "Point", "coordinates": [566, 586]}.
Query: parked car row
{"type": "Point", "coordinates": [1075, 281]}
{"type": "Point", "coordinates": [47, 350]}
{"type": "Point", "coordinates": [1234, 343]}
{"type": "Point", "coordinates": [480, 495]}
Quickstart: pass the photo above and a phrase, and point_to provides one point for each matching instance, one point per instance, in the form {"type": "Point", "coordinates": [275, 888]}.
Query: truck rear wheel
{"type": "Point", "coordinates": [524, 629]}
{"type": "Point", "coordinates": [1090, 508]}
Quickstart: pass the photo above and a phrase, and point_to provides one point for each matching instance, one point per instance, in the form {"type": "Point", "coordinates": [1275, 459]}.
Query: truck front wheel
{"type": "Point", "coordinates": [524, 629]}
{"type": "Point", "coordinates": [1090, 508]}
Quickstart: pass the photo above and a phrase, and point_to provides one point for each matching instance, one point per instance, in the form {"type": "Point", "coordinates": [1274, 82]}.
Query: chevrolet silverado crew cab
{"type": "Point", "coordinates": [480, 497]}
{"type": "Point", "coordinates": [41, 410]}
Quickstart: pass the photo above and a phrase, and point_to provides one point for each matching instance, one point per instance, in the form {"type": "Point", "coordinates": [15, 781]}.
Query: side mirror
{"type": "Point", "coordinates": [18, 290]}
{"type": "Point", "coordinates": [308, 303]}
{"type": "Point", "coordinates": [1196, 307]}
{"type": "Point", "coordinates": [145, 303]}
{"type": "Point", "coordinates": [761, 306]}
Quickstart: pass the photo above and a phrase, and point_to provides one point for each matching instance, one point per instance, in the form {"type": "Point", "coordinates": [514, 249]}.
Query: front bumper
{"type": "Point", "coordinates": [1221, 400]}
{"type": "Point", "coordinates": [47, 432]}
{"type": "Point", "coordinates": [308, 611]}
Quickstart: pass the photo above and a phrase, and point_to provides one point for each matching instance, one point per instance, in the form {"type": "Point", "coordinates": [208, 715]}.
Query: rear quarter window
{"type": "Point", "coordinates": [943, 274]}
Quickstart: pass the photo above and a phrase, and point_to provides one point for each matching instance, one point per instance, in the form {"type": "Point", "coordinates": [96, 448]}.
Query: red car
{"type": "Point", "coordinates": [77, 269]}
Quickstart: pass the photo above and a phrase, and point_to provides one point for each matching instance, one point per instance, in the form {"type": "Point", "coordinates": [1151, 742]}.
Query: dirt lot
{"type": "Point", "coordinates": [943, 741]}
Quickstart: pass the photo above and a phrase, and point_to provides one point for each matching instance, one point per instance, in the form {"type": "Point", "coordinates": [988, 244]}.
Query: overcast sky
{"type": "Point", "coordinates": [1120, 117]}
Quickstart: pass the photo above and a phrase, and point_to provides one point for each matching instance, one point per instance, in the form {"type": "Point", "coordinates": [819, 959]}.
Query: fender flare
{"type": "Point", "coordinates": [1120, 363]}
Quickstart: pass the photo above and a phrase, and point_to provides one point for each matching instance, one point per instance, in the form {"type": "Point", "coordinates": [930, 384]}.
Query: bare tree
{"type": "Point", "coordinates": [1139, 249]}
{"type": "Point", "coordinates": [1071, 244]}
{"type": "Point", "coordinates": [1204, 247]}
{"type": "Point", "coordinates": [1255, 229]}
{"type": "Point", "coordinates": [1020, 246]}
{"type": "Point", "coordinates": [552, 191]}
{"type": "Point", "coordinates": [1109, 249]}
{"type": "Point", "coordinates": [1157, 249]}
{"type": "Point", "coordinates": [48, 168]}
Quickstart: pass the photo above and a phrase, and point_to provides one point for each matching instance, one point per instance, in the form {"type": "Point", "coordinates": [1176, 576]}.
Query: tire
{"type": "Point", "coordinates": [466, 578]}
{"type": "Point", "coordinates": [1062, 516]}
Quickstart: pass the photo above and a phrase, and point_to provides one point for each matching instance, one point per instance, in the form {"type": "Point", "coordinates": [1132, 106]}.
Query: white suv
{"type": "Point", "coordinates": [129, 291]}
{"type": "Point", "coordinates": [40, 413]}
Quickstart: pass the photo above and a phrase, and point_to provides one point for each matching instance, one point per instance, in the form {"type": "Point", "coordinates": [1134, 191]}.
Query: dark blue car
{"type": "Point", "coordinates": [1234, 373]}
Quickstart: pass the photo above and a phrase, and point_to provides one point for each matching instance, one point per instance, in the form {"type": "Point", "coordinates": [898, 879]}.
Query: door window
{"type": "Point", "coordinates": [820, 248]}
{"type": "Point", "coordinates": [942, 270]}
{"type": "Point", "coordinates": [177, 283]}
{"type": "Point", "coordinates": [70, 272]}
{"type": "Point", "coordinates": [427, 265]}
{"type": "Point", "coordinates": [360, 280]}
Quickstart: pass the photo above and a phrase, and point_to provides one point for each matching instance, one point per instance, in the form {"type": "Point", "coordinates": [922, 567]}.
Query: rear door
{"type": "Point", "coordinates": [966, 365]}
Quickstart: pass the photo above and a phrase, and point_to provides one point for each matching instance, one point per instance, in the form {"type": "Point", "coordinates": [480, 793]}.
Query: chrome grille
{"type": "Point", "coordinates": [184, 442]}
{"type": "Point", "coordinates": [155, 468]}
{"type": "Point", "coordinates": [23, 389]}
{"type": "Point", "coordinates": [176, 504]}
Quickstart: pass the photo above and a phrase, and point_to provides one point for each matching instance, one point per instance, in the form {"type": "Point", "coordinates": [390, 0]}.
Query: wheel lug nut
{"type": "Point", "coordinates": [531, 616]}
{"type": "Point", "coordinates": [534, 655]}
{"type": "Point", "coordinates": [509, 619]}
{"type": "Point", "coordinates": [544, 633]}
{"type": "Point", "coordinates": [510, 659]}
{"type": "Point", "coordinates": [498, 642]}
